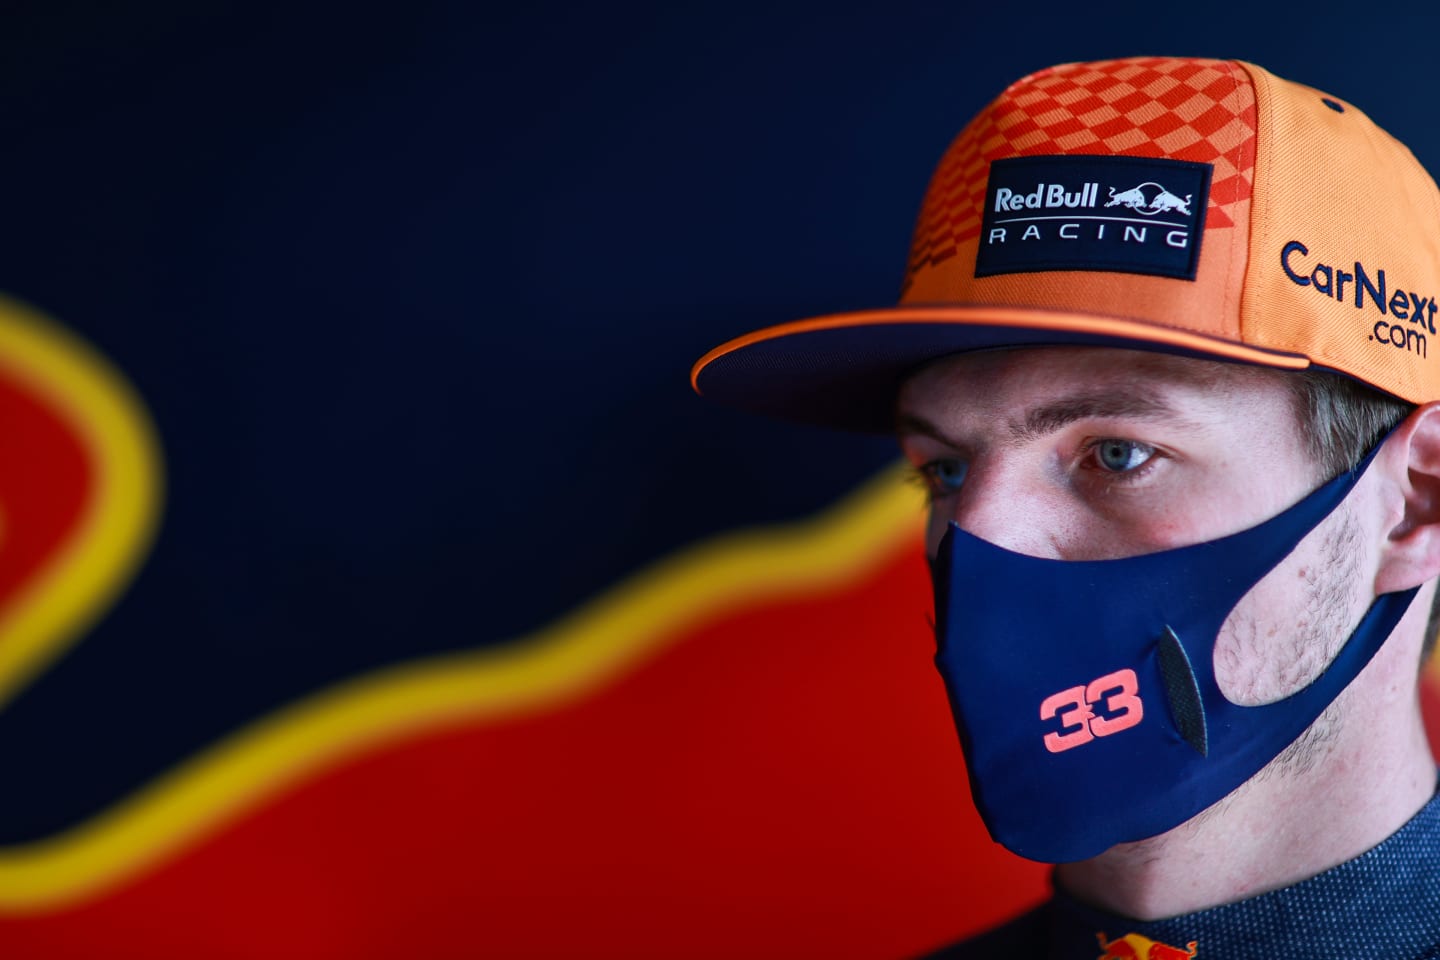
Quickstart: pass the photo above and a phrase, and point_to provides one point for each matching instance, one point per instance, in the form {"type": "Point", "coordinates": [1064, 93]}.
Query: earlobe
{"type": "Point", "coordinates": [1412, 553]}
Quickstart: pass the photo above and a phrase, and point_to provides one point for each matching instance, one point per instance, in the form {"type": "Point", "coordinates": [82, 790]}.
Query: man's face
{"type": "Point", "coordinates": [1079, 453]}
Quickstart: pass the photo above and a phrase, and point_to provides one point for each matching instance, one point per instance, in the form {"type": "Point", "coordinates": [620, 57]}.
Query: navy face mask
{"type": "Point", "coordinates": [1085, 691]}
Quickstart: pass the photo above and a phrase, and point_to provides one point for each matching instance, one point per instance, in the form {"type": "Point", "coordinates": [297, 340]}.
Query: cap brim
{"type": "Point", "coordinates": [844, 370]}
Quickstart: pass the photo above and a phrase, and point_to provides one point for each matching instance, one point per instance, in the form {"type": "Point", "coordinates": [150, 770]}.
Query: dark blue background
{"type": "Point", "coordinates": [412, 292]}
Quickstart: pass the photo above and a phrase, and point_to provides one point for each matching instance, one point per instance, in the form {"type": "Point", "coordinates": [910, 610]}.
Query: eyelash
{"type": "Point", "coordinates": [1090, 454]}
{"type": "Point", "coordinates": [925, 475]}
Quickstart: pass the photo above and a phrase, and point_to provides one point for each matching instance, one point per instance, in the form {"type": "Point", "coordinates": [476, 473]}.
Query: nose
{"type": "Point", "coordinates": [1002, 507]}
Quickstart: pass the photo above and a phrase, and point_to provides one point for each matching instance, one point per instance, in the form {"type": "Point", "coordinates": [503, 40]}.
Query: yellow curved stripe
{"type": "Point", "coordinates": [580, 653]}
{"type": "Point", "coordinates": [117, 522]}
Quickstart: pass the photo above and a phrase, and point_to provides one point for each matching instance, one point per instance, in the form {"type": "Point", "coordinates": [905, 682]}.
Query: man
{"type": "Point", "coordinates": [1162, 364]}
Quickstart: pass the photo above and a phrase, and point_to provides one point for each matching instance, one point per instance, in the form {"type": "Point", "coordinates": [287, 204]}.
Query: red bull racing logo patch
{"type": "Point", "coordinates": [1122, 214]}
{"type": "Point", "coordinates": [1132, 946]}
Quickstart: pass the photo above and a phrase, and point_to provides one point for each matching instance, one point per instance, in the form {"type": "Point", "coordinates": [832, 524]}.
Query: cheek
{"type": "Point", "coordinates": [1202, 512]}
{"type": "Point", "coordinates": [1071, 533]}
{"type": "Point", "coordinates": [1140, 531]}
{"type": "Point", "coordinates": [1287, 629]}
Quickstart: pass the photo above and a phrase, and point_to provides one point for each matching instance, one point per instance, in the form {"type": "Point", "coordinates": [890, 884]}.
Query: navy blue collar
{"type": "Point", "coordinates": [1383, 904]}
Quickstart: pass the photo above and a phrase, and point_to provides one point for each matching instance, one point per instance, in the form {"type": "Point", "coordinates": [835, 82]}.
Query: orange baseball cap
{"type": "Point", "coordinates": [1201, 207]}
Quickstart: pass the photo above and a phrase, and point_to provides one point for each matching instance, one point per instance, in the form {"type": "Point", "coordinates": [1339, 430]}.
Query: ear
{"type": "Point", "coordinates": [1412, 459]}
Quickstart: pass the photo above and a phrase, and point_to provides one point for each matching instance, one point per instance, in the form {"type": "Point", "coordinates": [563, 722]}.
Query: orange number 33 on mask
{"type": "Point", "coordinates": [1120, 692]}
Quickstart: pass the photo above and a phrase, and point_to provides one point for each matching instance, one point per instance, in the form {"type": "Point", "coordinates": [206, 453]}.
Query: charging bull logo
{"type": "Point", "coordinates": [1132, 946]}
{"type": "Point", "coordinates": [1148, 199]}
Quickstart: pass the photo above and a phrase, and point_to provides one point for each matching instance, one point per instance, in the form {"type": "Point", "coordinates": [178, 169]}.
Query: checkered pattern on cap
{"type": "Point", "coordinates": [1182, 108]}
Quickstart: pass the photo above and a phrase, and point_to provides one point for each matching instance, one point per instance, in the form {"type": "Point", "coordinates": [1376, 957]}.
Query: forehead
{"type": "Point", "coordinates": [998, 384]}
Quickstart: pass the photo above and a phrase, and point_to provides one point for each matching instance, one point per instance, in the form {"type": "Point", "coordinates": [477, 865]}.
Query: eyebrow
{"type": "Point", "coordinates": [1056, 414]}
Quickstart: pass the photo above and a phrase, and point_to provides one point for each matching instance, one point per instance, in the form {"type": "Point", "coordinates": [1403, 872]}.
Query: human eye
{"type": "Point", "coordinates": [941, 477]}
{"type": "Point", "coordinates": [1120, 458]}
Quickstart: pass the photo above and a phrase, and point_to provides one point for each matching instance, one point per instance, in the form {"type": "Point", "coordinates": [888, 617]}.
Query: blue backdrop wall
{"type": "Point", "coordinates": [411, 292]}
